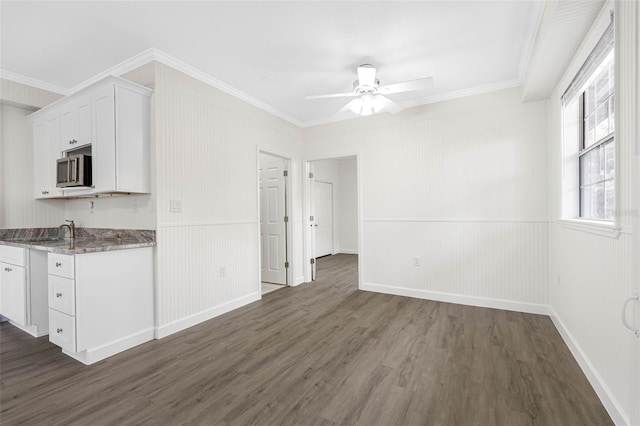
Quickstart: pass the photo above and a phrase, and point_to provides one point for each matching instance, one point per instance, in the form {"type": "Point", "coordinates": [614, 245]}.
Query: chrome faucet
{"type": "Point", "coordinates": [71, 226]}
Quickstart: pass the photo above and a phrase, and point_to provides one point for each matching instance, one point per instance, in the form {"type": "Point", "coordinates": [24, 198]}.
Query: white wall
{"type": "Point", "coordinates": [348, 205]}
{"type": "Point", "coordinates": [207, 146]}
{"type": "Point", "coordinates": [590, 275]}
{"type": "Point", "coordinates": [459, 184]}
{"type": "Point", "coordinates": [342, 174]}
{"type": "Point", "coordinates": [18, 208]}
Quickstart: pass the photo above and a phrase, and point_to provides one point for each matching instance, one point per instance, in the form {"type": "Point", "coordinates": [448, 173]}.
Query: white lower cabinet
{"type": "Point", "coordinates": [23, 298]}
{"type": "Point", "coordinates": [101, 303]}
{"type": "Point", "coordinates": [13, 293]}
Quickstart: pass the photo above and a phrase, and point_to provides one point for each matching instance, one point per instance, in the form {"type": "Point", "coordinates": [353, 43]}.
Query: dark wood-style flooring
{"type": "Point", "coordinates": [317, 354]}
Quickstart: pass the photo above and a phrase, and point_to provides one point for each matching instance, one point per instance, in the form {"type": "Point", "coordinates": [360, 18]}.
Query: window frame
{"type": "Point", "coordinates": [597, 144]}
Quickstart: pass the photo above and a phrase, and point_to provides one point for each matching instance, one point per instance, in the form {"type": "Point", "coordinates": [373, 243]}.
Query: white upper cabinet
{"type": "Point", "coordinates": [109, 121]}
{"type": "Point", "coordinates": [46, 140]}
{"type": "Point", "coordinates": [76, 123]}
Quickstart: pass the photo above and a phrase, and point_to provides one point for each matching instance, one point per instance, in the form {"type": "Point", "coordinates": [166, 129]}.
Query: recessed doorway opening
{"type": "Point", "coordinates": [333, 206]}
{"type": "Point", "coordinates": [273, 176]}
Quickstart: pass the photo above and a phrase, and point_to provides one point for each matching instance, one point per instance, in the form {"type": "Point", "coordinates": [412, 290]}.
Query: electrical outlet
{"type": "Point", "coordinates": [175, 206]}
{"type": "Point", "coordinates": [223, 271]}
{"type": "Point", "coordinates": [416, 260]}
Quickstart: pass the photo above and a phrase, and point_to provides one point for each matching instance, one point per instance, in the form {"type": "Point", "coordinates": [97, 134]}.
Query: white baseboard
{"type": "Point", "coordinates": [191, 320]}
{"type": "Point", "coordinates": [610, 403]}
{"type": "Point", "coordinates": [483, 302]}
{"type": "Point", "coordinates": [298, 280]}
{"type": "Point", "coordinates": [347, 251]}
{"type": "Point", "coordinates": [93, 355]}
{"type": "Point", "coordinates": [31, 329]}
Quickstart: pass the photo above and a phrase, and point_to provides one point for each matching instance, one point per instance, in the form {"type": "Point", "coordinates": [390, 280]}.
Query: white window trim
{"type": "Point", "coordinates": [602, 228]}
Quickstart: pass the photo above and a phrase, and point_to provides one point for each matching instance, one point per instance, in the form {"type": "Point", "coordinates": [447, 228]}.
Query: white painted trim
{"type": "Point", "coordinates": [28, 81]}
{"type": "Point", "coordinates": [206, 223]}
{"type": "Point", "coordinates": [202, 316]}
{"type": "Point", "coordinates": [136, 61]}
{"type": "Point", "coordinates": [347, 251]}
{"type": "Point", "coordinates": [212, 81]}
{"type": "Point", "coordinates": [483, 302]}
{"type": "Point", "coordinates": [610, 403]}
{"type": "Point", "coordinates": [463, 93]}
{"type": "Point", "coordinates": [603, 229]}
{"type": "Point", "coordinates": [153, 54]}
{"type": "Point", "coordinates": [535, 19]}
{"type": "Point", "coordinates": [30, 329]}
{"type": "Point", "coordinates": [454, 220]}
{"type": "Point", "coordinates": [93, 355]}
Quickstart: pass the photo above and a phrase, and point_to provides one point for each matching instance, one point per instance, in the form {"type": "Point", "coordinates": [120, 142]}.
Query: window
{"type": "Point", "coordinates": [588, 110]}
{"type": "Point", "coordinates": [597, 145]}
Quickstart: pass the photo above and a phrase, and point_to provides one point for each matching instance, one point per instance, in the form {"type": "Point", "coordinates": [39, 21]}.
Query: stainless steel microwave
{"type": "Point", "coordinates": [74, 170]}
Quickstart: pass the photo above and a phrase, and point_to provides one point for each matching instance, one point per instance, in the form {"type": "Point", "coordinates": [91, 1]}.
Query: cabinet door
{"type": "Point", "coordinates": [103, 148]}
{"type": "Point", "coordinates": [69, 127]}
{"type": "Point", "coordinates": [46, 147]}
{"type": "Point", "coordinates": [76, 124]}
{"type": "Point", "coordinates": [41, 158]}
{"type": "Point", "coordinates": [13, 293]}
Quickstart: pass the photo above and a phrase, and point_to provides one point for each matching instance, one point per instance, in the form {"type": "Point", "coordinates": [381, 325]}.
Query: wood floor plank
{"type": "Point", "coordinates": [322, 353]}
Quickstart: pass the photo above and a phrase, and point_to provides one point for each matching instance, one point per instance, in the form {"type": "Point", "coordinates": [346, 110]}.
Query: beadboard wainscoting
{"type": "Point", "coordinates": [498, 264]}
{"type": "Point", "coordinates": [591, 275]}
{"type": "Point", "coordinates": [207, 144]}
{"type": "Point", "coordinates": [461, 186]}
{"type": "Point", "coordinates": [190, 288]}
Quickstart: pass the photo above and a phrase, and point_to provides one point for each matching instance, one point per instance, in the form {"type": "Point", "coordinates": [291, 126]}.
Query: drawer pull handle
{"type": "Point", "coordinates": [58, 264]}
{"type": "Point", "coordinates": [8, 269]}
{"type": "Point", "coordinates": [58, 294]}
{"type": "Point", "coordinates": [59, 330]}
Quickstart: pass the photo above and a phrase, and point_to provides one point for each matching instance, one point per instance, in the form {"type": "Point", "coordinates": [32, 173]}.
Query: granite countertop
{"type": "Point", "coordinates": [88, 240]}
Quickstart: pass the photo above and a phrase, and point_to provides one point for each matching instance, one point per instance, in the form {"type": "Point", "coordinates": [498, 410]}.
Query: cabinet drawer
{"type": "Point", "coordinates": [62, 295]}
{"type": "Point", "coordinates": [61, 265]}
{"type": "Point", "coordinates": [12, 255]}
{"type": "Point", "coordinates": [62, 330]}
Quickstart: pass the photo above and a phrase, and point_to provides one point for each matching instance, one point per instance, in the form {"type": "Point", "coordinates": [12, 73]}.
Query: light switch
{"type": "Point", "coordinates": [175, 206]}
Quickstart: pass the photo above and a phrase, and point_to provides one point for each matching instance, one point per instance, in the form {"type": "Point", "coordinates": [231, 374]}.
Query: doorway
{"type": "Point", "coordinates": [273, 175]}
{"type": "Point", "coordinates": [323, 202]}
{"type": "Point", "coordinates": [334, 216]}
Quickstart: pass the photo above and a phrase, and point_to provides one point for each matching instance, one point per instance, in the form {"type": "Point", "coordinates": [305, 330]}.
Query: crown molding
{"type": "Point", "coordinates": [463, 93]}
{"type": "Point", "coordinates": [123, 67]}
{"type": "Point", "coordinates": [153, 54]}
{"type": "Point", "coordinates": [535, 20]}
{"type": "Point", "coordinates": [38, 84]}
{"type": "Point", "coordinates": [206, 78]}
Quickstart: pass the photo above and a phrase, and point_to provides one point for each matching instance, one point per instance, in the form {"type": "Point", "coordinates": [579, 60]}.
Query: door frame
{"type": "Point", "coordinates": [289, 209]}
{"type": "Point", "coordinates": [307, 196]}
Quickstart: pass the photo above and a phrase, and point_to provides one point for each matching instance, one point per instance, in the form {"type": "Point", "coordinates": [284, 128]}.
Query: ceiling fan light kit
{"type": "Point", "coordinates": [369, 94]}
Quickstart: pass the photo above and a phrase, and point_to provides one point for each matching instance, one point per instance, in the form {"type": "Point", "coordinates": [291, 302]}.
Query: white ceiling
{"type": "Point", "coordinates": [278, 52]}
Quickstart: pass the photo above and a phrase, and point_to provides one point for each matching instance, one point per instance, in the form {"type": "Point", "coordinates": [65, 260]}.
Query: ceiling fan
{"type": "Point", "coordinates": [370, 95]}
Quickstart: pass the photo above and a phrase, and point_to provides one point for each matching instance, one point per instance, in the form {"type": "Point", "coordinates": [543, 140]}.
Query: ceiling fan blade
{"type": "Point", "coordinates": [388, 104]}
{"type": "Point", "coordinates": [332, 95]}
{"type": "Point", "coordinates": [366, 75]}
{"type": "Point", "coordinates": [346, 108]}
{"type": "Point", "coordinates": [407, 86]}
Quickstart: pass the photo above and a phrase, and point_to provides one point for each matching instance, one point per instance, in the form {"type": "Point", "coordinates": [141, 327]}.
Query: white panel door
{"type": "Point", "coordinates": [272, 225]}
{"type": "Point", "coordinates": [323, 203]}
